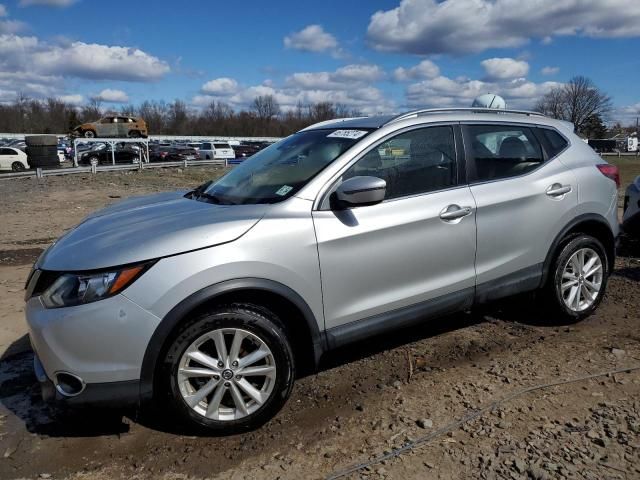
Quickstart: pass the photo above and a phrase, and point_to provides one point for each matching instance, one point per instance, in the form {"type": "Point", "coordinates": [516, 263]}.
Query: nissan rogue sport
{"type": "Point", "coordinates": [211, 300]}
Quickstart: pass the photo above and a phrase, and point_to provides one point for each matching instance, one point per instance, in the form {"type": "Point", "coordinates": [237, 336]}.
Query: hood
{"type": "Point", "coordinates": [144, 228]}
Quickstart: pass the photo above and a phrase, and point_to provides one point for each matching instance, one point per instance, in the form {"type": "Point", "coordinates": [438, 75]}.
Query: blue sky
{"type": "Point", "coordinates": [373, 56]}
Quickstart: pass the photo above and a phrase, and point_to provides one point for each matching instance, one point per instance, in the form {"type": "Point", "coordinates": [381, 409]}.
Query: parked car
{"type": "Point", "coordinates": [113, 126]}
{"type": "Point", "coordinates": [216, 151]}
{"type": "Point", "coordinates": [215, 299]}
{"type": "Point", "coordinates": [158, 153]}
{"type": "Point", "coordinates": [631, 211]}
{"type": "Point", "coordinates": [17, 143]}
{"type": "Point", "coordinates": [13, 159]}
{"type": "Point", "coordinates": [245, 151]}
{"type": "Point", "coordinates": [177, 154]}
{"type": "Point", "coordinates": [100, 153]}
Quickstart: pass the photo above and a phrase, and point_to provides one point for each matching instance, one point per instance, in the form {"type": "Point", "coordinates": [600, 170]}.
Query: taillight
{"type": "Point", "coordinates": [610, 171]}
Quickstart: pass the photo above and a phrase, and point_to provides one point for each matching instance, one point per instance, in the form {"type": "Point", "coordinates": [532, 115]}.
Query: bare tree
{"type": "Point", "coordinates": [266, 107]}
{"type": "Point", "coordinates": [576, 102]}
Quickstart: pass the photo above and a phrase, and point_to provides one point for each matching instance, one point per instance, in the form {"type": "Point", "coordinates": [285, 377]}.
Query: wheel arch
{"type": "Point", "coordinates": [591, 224]}
{"type": "Point", "coordinates": [307, 342]}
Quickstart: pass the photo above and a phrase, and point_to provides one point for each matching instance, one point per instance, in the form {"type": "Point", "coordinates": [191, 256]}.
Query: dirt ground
{"type": "Point", "coordinates": [369, 399]}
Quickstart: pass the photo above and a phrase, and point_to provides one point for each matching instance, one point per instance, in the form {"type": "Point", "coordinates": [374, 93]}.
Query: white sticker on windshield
{"type": "Point", "coordinates": [347, 134]}
{"type": "Point", "coordinates": [284, 190]}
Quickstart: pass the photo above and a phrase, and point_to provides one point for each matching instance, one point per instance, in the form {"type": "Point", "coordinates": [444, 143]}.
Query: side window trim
{"type": "Point", "coordinates": [472, 175]}
{"type": "Point", "coordinates": [322, 200]}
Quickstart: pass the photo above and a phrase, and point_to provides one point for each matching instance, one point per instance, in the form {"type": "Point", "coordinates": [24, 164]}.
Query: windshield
{"type": "Point", "coordinates": [279, 171]}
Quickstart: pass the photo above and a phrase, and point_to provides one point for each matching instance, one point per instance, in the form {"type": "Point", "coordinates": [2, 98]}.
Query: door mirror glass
{"type": "Point", "coordinates": [360, 191]}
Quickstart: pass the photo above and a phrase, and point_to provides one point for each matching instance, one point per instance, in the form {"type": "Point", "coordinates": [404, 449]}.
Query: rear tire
{"type": "Point", "coordinates": [18, 167]}
{"type": "Point", "coordinates": [230, 403]}
{"type": "Point", "coordinates": [134, 134]}
{"type": "Point", "coordinates": [577, 279]}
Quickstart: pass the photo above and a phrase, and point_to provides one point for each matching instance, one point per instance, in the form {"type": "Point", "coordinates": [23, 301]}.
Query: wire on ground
{"type": "Point", "coordinates": [471, 415]}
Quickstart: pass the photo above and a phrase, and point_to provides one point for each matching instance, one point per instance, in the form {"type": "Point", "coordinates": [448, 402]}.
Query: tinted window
{"type": "Point", "coordinates": [6, 151]}
{"type": "Point", "coordinates": [206, 146]}
{"type": "Point", "coordinates": [557, 142]}
{"type": "Point", "coordinates": [503, 151]}
{"type": "Point", "coordinates": [414, 162]}
{"type": "Point", "coordinates": [221, 145]}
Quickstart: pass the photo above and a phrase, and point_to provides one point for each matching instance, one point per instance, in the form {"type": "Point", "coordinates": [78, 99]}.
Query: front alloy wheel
{"type": "Point", "coordinates": [226, 374]}
{"type": "Point", "coordinates": [229, 370]}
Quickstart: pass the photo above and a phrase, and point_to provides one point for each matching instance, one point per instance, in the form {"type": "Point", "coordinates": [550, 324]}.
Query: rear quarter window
{"type": "Point", "coordinates": [556, 142]}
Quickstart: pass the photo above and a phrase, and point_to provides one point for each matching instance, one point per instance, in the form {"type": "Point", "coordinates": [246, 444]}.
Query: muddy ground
{"type": "Point", "coordinates": [368, 400]}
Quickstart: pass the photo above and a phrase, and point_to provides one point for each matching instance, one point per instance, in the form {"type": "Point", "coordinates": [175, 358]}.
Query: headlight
{"type": "Point", "coordinates": [76, 288]}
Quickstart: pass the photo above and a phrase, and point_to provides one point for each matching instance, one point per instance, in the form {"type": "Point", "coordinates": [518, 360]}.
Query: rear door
{"type": "Point", "coordinates": [107, 127]}
{"type": "Point", "coordinates": [408, 250]}
{"type": "Point", "coordinates": [524, 197]}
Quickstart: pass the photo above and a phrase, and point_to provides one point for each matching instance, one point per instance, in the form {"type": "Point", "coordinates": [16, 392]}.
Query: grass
{"type": "Point", "coordinates": [629, 166]}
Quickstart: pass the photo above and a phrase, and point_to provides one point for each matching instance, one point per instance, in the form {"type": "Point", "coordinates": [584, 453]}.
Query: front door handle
{"type": "Point", "coordinates": [454, 212]}
{"type": "Point", "coordinates": [557, 190]}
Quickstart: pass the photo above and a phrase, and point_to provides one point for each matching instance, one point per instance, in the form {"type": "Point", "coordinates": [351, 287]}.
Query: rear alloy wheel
{"type": "Point", "coordinates": [17, 167]}
{"type": "Point", "coordinates": [230, 370]}
{"type": "Point", "coordinates": [578, 278]}
{"type": "Point", "coordinates": [94, 160]}
{"type": "Point", "coordinates": [581, 279]}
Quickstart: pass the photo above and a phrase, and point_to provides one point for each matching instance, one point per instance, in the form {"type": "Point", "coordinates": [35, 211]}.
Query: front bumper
{"type": "Point", "coordinates": [101, 343]}
{"type": "Point", "coordinates": [106, 395]}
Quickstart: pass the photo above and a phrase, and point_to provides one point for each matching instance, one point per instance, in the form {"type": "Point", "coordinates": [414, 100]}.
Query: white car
{"type": "Point", "coordinates": [13, 159]}
{"type": "Point", "coordinates": [216, 151]}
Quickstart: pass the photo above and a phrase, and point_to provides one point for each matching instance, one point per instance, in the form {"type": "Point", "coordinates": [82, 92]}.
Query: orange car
{"type": "Point", "coordinates": [113, 126]}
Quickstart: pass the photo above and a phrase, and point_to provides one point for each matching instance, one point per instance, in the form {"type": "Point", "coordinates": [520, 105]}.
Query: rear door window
{"type": "Point", "coordinates": [502, 151]}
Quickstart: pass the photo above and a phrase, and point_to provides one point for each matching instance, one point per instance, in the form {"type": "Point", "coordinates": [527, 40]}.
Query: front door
{"type": "Point", "coordinates": [416, 247]}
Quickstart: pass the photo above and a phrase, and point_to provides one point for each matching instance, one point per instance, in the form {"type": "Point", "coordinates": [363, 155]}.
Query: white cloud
{"type": "Point", "coordinates": [504, 68]}
{"type": "Point", "coordinates": [220, 86]}
{"type": "Point", "coordinates": [443, 91]}
{"type": "Point", "coordinates": [112, 96]}
{"type": "Point", "coordinates": [50, 3]}
{"type": "Point", "coordinates": [9, 26]}
{"type": "Point", "coordinates": [349, 85]}
{"type": "Point", "coordinates": [464, 26]}
{"type": "Point", "coordinates": [3, 11]}
{"type": "Point", "coordinates": [312, 38]}
{"type": "Point", "coordinates": [348, 75]}
{"type": "Point", "coordinates": [79, 59]}
{"type": "Point", "coordinates": [425, 69]}
{"type": "Point", "coordinates": [74, 99]}
{"type": "Point", "coordinates": [550, 70]}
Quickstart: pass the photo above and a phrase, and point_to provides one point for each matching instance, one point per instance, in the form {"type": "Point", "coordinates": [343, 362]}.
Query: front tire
{"type": "Point", "coordinates": [89, 134]}
{"type": "Point", "coordinates": [229, 370]}
{"type": "Point", "coordinates": [578, 279]}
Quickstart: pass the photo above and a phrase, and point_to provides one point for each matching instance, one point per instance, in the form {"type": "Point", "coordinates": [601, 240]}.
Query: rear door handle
{"type": "Point", "coordinates": [557, 190]}
{"type": "Point", "coordinates": [454, 212]}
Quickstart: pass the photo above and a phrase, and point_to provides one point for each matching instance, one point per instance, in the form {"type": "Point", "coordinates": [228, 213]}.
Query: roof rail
{"type": "Point", "coordinates": [328, 122]}
{"type": "Point", "coordinates": [427, 111]}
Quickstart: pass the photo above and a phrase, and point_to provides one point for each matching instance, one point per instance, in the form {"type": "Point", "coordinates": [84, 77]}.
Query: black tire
{"type": "Point", "coordinates": [48, 161]}
{"type": "Point", "coordinates": [553, 302]}
{"type": "Point", "coordinates": [89, 134]}
{"type": "Point", "coordinates": [93, 160]}
{"type": "Point", "coordinates": [134, 134]}
{"type": "Point", "coordinates": [18, 167]}
{"type": "Point", "coordinates": [42, 151]}
{"type": "Point", "coordinates": [255, 320]}
{"type": "Point", "coordinates": [41, 140]}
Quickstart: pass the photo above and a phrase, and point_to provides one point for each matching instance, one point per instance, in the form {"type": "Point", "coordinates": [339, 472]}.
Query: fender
{"type": "Point", "coordinates": [567, 228]}
{"type": "Point", "coordinates": [177, 313]}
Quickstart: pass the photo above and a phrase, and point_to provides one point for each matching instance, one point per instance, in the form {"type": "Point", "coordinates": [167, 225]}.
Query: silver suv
{"type": "Point", "coordinates": [211, 300]}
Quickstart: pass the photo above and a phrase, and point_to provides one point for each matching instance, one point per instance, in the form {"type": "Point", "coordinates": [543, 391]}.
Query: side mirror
{"type": "Point", "coordinates": [361, 191]}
